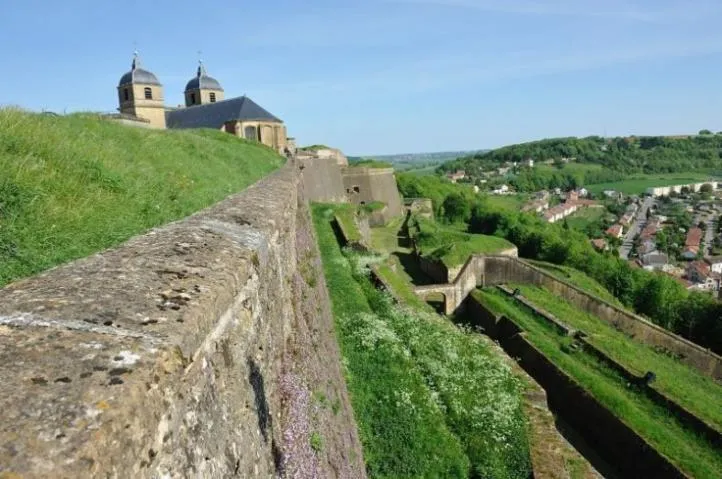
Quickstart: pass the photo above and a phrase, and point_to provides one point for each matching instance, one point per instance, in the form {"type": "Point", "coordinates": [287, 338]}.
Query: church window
{"type": "Point", "coordinates": [213, 97]}
{"type": "Point", "coordinates": [193, 98]}
{"type": "Point", "coordinates": [148, 93]}
{"type": "Point", "coordinates": [126, 97]}
{"type": "Point", "coordinates": [250, 133]}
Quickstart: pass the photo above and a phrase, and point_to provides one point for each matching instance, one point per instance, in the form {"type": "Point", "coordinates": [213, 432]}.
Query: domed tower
{"type": "Point", "coordinates": [203, 89]}
{"type": "Point", "coordinates": [140, 94]}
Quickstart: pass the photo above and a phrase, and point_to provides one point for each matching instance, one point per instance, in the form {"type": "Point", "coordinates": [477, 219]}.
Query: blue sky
{"type": "Point", "coordinates": [389, 76]}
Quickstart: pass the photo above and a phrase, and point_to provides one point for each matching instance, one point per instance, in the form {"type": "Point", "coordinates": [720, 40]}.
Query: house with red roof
{"type": "Point", "coordinates": [615, 231]}
{"type": "Point", "coordinates": [692, 243]}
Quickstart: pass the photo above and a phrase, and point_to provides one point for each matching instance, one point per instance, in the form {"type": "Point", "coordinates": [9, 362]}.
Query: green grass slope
{"type": "Point", "coordinates": [453, 246]}
{"type": "Point", "coordinates": [431, 399]}
{"type": "Point", "coordinates": [578, 279]}
{"type": "Point", "coordinates": [697, 392]}
{"type": "Point", "coordinates": [71, 186]}
{"type": "Point", "coordinates": [680, 444]}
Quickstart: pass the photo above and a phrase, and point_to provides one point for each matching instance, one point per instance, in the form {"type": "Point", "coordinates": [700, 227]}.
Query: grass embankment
{"type": "Point", "coordinates": [346, 216]}
{"type": "Point", "coordinates": [681, 445]}
{"type": "Point", "coordinates": [74, 185]}
{"type": "Point", "coordinates": [638, 184]}
{"type": "Point", "coordinates": [452, 246]}
{"type": "Point", "coordinates": [370, 163]}
{"type": "Point", "coordinates": [687, 386]}
{"type": "Point", "coordinates": [578, 279]}
{"type": "Point", "coordinates": [431, 400]}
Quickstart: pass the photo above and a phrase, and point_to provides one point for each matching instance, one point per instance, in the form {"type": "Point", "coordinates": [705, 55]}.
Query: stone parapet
{"type": "Point", "coordinates": [160, 357]}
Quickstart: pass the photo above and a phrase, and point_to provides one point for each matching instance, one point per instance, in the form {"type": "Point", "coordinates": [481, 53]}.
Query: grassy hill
{"type": "Point", "coordinates": [74, 185]}
{"type": "Point", "coordinates": [606, 162]}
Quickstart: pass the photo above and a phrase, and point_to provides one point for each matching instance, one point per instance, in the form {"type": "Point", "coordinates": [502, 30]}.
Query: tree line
{"type": "Point", "coordinates": [645, 154]}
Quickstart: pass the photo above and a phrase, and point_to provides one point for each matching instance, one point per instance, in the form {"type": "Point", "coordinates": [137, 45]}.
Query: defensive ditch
{"type": "Point", "coordinates": [610, 435]}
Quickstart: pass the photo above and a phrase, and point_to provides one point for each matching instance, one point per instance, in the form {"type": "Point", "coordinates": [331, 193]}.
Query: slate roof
{"type": "Point", "coordinates": [203, 81]}
{"type": "Point", "coordinates": [138, 75]}
{"type": "Point", "coordinates": [214, 115]}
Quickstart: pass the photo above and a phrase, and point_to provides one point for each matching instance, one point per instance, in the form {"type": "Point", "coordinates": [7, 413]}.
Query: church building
{"type": "Point", "coordinates": [140, 96]}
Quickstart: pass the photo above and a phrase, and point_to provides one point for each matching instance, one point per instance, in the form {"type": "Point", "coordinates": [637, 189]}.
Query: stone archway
{"type": "Point", "coordinates": [435, 299]}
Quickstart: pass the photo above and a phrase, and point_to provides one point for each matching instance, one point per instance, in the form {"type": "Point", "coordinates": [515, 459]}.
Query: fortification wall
{"type": "Point", "coordinates": [496, 270]}
{"type": "Point", "coordinates": [698, 424]}
{"type": "Point", "coordinates": [500, 270]}
{"type": "Point", "coordinates": [321, 179]}
{"type": "Point", "coordinates": [366, 185]}
{"type": "Point", "coordinates": [617, 443]}
{"type": "Point", "coordinates": [189, 351]}
{"type": "Point", "coordinates": [435, 270]}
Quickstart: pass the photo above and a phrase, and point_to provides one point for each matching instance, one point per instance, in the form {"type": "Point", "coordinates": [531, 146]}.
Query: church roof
{"type": "Point", "coordinates": [203, 81]}
{"type": "Point", "coordinates": [138, 75]}
{"type": "Point", "coordinates": [214, 115]}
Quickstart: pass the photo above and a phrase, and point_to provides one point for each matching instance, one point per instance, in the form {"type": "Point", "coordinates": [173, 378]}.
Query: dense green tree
{"type": "Point", "coordinates": [654, 154]}
{"type": "Point", "coordinates": [456, 208]}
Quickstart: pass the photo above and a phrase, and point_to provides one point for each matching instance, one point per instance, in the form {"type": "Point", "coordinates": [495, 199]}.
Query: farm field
{"type": "Point", "coordinates": [506, 202]}
{"type": "Point", "coordinates": [638, 184]}
{"type": "Point", "coordinates": [570, 168]}
{"type": "Point", "coordinates": [585, 217]}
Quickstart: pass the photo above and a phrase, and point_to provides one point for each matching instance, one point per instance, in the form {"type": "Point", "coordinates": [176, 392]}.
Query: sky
{"type": "Point", "coordinates": [388, 76]}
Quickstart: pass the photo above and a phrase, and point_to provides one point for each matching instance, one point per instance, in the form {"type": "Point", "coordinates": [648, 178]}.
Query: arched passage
{"type": "Point", "coordinates": [435, 299]}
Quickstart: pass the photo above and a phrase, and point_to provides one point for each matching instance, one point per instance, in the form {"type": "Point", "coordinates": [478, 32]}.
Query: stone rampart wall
{"type": "Point", "coordinates": [165, 356]}
{"type": "Point", "coordinates": [500, 270]}
{"type": "Point", "coordinates": [657, 396]}
{"type": "Point", "coordinates": [613, 440]}
{"type": "Point", "coordinates": [366, 185]}
{"type": "Point", "coordinates": [321, 179]}
{"type": "Point", "coordinates": [435, 270]}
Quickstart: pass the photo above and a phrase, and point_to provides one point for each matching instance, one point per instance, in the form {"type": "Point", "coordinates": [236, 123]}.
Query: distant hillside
{"type": "Point", "coordinates": [406, 161]}
{"type": "Point", "coordinates": [649, 154]}
{"type": "Point", "coordinates": [73, 185]}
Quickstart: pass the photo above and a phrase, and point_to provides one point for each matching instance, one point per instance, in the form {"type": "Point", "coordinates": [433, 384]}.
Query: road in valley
{"type": "Point", "coordinates": [710, 221]}
{"type": "Point", "coordinates": [635, 228]}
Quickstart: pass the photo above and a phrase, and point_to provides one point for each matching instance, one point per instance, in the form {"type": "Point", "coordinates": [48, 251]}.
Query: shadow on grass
{"type": "Point", "coordinates": [412, 268]}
